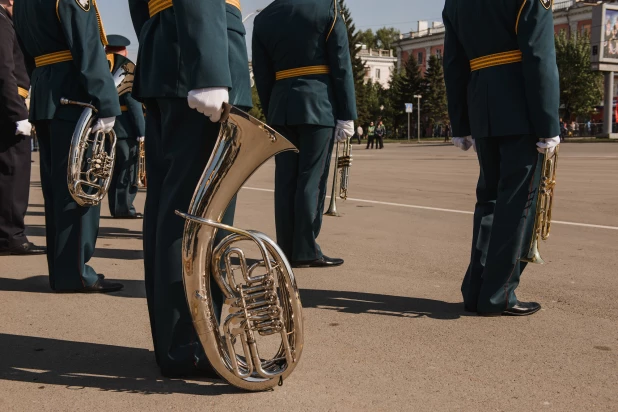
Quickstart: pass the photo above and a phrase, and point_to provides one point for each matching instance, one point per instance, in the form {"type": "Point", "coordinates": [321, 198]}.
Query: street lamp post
{"type": "Point", "coordinates": [251, 14]}
{"type": "Point", "coordinates": [418, 106]}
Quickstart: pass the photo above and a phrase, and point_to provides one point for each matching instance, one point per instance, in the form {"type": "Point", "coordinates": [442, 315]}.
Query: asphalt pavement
{"type": "Point", "coordinates": [386, 331]}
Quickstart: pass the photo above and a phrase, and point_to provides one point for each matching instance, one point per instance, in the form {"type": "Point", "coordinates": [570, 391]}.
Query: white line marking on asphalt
{"type": "Point", "coordinates": [438, 209]}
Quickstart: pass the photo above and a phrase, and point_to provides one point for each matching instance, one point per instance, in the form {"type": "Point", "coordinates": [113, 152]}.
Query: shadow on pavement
{"type": "Point", "coordinates": [79, 365]}
{"type": "Point", "coordinates": [40, 284]}
{"type": "Point", "coordinates": [104, 232]}
{"type": "Point", "coordinates": [374, 304]}
{"type": "Point", "coordinates": [340, 301]}
{"type": "Point", "coordinates": [121, 254]}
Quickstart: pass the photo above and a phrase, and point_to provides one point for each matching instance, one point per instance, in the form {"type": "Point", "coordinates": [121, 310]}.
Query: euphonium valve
{"type": "Point", "coordinates": [258, 340]}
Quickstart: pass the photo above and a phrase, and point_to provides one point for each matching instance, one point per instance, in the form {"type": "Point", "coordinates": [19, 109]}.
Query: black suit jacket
{"type": "Point", "coordinates": [13, 74]}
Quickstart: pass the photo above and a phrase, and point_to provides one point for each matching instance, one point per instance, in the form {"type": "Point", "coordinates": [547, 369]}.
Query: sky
{"type": "Point", "coordinates": [367, 14]}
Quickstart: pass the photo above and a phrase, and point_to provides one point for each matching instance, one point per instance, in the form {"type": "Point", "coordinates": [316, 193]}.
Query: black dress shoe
{"type": "Point", "coordinates": [324, 262]}
{"type": "Point", "coordinates": [27, 248]}
{"type": "Point", "coordinates": [102, 286]}
{"type": "Point", "coordinates": [520, 309]}
{"type": "Point", "coordinates": [469, 308]}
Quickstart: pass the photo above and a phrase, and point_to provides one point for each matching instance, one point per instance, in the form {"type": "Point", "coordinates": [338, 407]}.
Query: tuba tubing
{"type": "Point", "coordinates": [244, 144]}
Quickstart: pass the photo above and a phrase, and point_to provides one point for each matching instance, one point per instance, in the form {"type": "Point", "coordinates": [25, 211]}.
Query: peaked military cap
{"type": "Point", "coordinates": [116, 40]}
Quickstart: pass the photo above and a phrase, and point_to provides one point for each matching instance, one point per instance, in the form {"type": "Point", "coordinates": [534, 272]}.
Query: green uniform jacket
{"type": "Point", "coordinates": [511, 99]}
{"type": "Point", "coordinates": [48, 26]}
{"type": "Point", "coordinates": [131, 123]}
{"type": "Point", "coordinates": [191, 54]}
{"type": "Point", "coordinates": [290, 34]}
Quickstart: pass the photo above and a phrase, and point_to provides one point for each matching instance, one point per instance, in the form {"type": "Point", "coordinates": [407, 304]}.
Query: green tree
{"type": "Point", "coordinates": [434, 94]}
{"type": "Point", "coordinates": [581, 89]}
{"type": "Point", "coordinates": [369, 102]}
{"type": "Point", "coordinates": [256, 111]}
{"type": "Point", "coordinates": [368, 38]}
{"type": "Point", "coordinates": [386, 37]}
{"type": "Point", "coordinates": [404, 84]}
{"type": "Point", "coordinates": [358, 68]}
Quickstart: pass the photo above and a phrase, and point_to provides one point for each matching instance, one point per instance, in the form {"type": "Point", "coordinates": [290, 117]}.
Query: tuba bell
{"type": "Point", "coordinates": [261, 297]}
{"type": "Point", "coordinates": [92, 154]}
{"type": "Point", "coordinates": [544, 205]}
{"type": "Point", "coordinates": [341, 176]}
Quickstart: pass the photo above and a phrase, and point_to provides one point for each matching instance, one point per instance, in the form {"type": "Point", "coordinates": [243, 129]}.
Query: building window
{"type": "Point", "coordinates": [367, 72]}
{"type": "Point", "coordinates": [420, 58]}
{"type": "Point", "coordinates": [439, 53]}
{"type": "Point", "coordinates": [377, 73]}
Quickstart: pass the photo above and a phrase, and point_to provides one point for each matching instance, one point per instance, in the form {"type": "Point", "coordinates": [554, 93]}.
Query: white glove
{"type": "Point", "coordinates": [105, 125]}
{"type": "Point", "coordinates": [140, 139]}
{"type": "Point", "coordinates": [209, 101]}
{"type": "Point", "coordinates": [464, 143]}
{"type": "Point", "coordinates": [344, 130]}
{"type": "Point", "coordinates": [548, 145]}
{"type": "Point", "coordinates": [23, 127]}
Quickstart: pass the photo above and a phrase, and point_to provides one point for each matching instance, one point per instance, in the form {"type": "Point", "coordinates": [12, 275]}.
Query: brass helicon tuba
{"type": "Point", "coordinates": [261, 296]}
{"type": "Point", "coordinates": [92, 155]}
{"type": "Point", "coordinates": [544, 205]}
{"type": "Point", "coordinates": [341, 176]}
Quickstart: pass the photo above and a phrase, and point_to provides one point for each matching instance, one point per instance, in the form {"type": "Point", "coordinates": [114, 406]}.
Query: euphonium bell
{"type": "Point", "coordinates": [261, 297]}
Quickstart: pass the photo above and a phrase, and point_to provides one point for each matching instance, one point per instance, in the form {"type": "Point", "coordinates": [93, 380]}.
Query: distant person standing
{"type": "Point", "coordinates": [371, 134]}
{"type": "Point", "coordinates": [380, 133]}
{"type": "Point", "coordinates": [359, 133]}
{"type": "Point", "coordinates": [447, 132]}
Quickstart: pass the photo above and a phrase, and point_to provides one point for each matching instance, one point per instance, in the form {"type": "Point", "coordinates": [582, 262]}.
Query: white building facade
{"type": "Point", "coordinates": [379, 65]}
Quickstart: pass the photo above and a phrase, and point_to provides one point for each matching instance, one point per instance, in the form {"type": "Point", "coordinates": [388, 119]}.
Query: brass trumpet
{"type": "Point", "coordinates": [141, 165]}
{"type": "Point", "coordinates": [544, 204]}
{"type": "Point", "coordinates": [341, 176]}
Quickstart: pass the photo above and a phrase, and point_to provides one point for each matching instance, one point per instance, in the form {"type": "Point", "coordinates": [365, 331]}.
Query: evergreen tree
{"type": "Point", "coordinates": [404, 84]}
{"type": "Point", "coordinates": [581, 89]}
{"type": "Point", "coordinates": [256, 111]}
{"type": "Point", "coordinates": [434, 94]}
{"type": "Point", "coordinates": [358, 68]}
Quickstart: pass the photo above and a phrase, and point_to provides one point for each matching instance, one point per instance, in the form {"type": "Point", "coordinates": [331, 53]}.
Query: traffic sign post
{"type": "Point", "coordinates": [418, 97]}
{"type": "Point", "coordinates": [409, 109]}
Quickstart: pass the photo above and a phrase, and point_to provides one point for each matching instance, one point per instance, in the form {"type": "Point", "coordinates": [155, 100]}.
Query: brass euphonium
{"type": "Point", "coordinates": [341, 176]}
{"type": "Point", "coordinates": [261, 298]}
{"type": "Point", "coordinates": [92, 154]}
{"type": "Point", "coordinates": [544, 205]}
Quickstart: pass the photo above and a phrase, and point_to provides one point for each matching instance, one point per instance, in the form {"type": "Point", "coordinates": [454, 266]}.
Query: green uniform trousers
{"type": "Point", "coordinates": [178, 145]}
{"type": "Point", "coordinates": [71, 230]}
{"type": "Point", "coordinates": [503, 221]}
{"type": "Point", "coordinates": [123, 187]}
{"type": "Point", "coordinates": [300, 190]}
